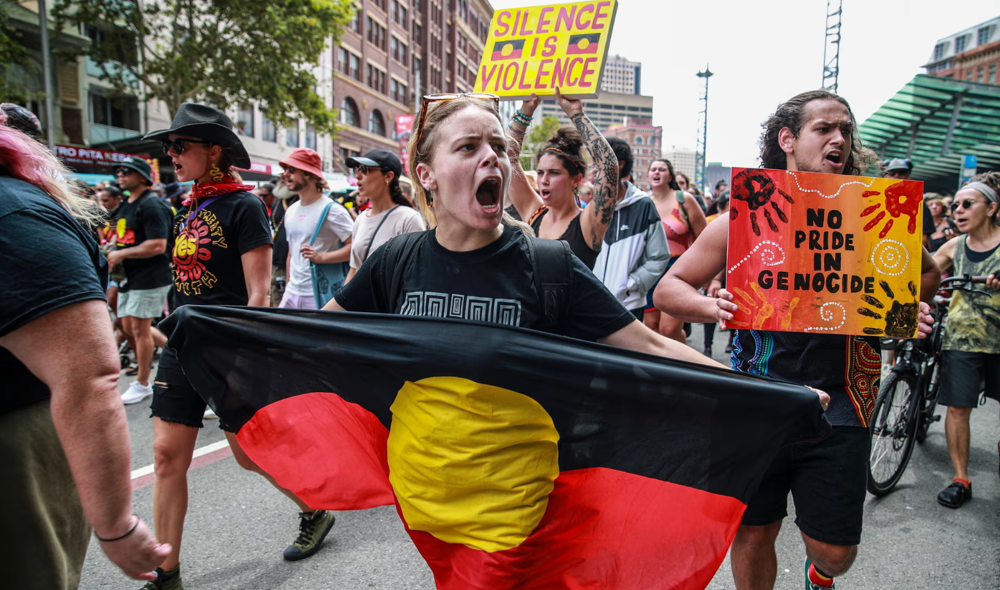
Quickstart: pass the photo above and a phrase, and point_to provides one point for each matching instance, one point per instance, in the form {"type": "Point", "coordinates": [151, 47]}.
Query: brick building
{"type": "Point", "coordinates": [646, 142]}
{"type": "Point", "coordinates": [972, 55]}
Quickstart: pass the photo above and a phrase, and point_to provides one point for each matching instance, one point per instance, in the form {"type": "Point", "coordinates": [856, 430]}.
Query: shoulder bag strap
{"type": "Point", "coordinates": [395, 258]}
{"type": "Point", "coordinates": [319, 224]}
{"type": "Point", "coordinates": [368, 250]}
{"type": "Point", "coordinates": [552, 263]}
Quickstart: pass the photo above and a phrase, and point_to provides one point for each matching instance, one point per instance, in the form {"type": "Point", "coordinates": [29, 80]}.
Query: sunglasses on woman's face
{"type": "Point", "coordinates": [427, 100]}
{"type": "Point", "coordinates": [366, 169]}
{"type": "Point", "coordinates": [179, 145]}
{"type": "Point", "coordinates": [964, 204]}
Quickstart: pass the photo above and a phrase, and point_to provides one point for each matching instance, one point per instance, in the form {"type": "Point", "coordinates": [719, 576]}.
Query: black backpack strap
{"type": "Point", "coordinates": [552, 265]}
{"type": "Point", "coordinates": [395, 258]}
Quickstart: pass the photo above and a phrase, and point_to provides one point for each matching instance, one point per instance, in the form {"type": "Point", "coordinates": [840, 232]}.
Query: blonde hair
{"type": "Point", "coordinates": [25, 159]}
{"type": "Point", "coordinates": [422, 145]}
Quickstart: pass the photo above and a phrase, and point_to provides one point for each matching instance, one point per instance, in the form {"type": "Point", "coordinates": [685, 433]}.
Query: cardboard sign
{"type": "Point", "coordinates": [824, 253]}
{"type": "Point", "coordinates": [543, 47]}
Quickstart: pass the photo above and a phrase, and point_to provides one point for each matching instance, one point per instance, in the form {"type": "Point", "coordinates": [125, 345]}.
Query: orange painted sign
{"type": "Point", "coordinates": [824, 253]}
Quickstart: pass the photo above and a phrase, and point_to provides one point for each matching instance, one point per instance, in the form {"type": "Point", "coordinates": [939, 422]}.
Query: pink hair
{"type": "Point", "coordinates": [25, 159]}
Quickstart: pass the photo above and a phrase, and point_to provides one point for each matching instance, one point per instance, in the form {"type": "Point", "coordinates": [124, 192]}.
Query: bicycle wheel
{"type": "Point", "coordinates": [925, 416]}
{"type": "Point", "coordinates": [892, 434]}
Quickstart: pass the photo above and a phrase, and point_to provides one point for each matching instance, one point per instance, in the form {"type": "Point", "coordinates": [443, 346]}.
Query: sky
{"type": "Point", "coordinates": [764, 52]}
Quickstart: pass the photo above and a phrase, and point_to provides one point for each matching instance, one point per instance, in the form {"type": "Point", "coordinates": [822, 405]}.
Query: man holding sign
{"type": "Point", "coordinates": [812, 132]}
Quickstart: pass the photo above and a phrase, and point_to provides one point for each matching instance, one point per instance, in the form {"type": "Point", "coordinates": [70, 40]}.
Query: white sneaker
{"type": "Point", "coordinates": [210, 414]}
{"type": "Point", "coordinates": [136, 392]}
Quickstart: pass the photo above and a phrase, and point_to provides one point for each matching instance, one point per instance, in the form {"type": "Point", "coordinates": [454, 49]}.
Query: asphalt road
{"type": "Point", "coordinates": [238, 525]}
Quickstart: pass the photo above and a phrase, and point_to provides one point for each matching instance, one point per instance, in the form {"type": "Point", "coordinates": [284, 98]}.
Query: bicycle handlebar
{"type": "Point", "coordinates": [952, 283]}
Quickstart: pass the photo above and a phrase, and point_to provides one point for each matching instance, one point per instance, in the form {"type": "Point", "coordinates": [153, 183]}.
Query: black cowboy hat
{"type": "Point", "coordinates": [209, 124]}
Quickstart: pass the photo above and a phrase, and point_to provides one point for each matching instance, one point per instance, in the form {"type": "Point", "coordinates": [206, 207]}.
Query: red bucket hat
{"type": "Point", "coordinates": [306, 160]}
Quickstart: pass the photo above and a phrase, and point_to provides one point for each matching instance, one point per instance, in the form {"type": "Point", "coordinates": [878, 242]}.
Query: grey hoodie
{"type": "Point", "coordinates": [635, 252]}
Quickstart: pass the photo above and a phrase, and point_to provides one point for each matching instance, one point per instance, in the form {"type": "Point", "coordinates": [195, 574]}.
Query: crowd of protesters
{"type": "Point", "coordinates": [470, 221]}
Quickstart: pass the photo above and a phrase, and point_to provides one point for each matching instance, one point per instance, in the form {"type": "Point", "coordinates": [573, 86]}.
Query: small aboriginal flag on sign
{"type": "Point", "coordinates": [508, 49]}
{"type": "Point", "coordinates": [583, 44]}
{"type": "Point", "coordinates": [516, 459]}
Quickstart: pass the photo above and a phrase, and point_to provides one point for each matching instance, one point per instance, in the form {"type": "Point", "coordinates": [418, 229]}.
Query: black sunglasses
{"type": "Point", "coordinates": [964, 204]}
{"type": "Point", "coordinates": [179, 145]}
{"type": "Point", "coordinates": [123, 171]}
{"type": "Point", "coordinates": [366, 169]}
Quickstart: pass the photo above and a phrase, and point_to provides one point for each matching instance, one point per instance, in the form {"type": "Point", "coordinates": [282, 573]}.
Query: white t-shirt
{"type": "Point", "coordinates": [300, 223]}
{"type": "Point", "coordinates": [401, 220]}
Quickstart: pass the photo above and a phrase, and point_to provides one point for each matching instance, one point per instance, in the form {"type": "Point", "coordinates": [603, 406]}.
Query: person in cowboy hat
{"type": "Point", "coordinates": [222, 256]}
{"type": "Point", "coordinates": [318, 231]}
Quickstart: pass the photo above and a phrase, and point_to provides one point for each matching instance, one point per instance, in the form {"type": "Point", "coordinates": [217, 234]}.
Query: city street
{"type": "Point", "coordinates": [238, 525]}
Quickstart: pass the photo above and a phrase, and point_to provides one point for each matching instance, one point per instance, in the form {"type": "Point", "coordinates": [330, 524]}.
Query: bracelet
{"type": "Point", "coordinates": [130, 531]}
{"type": "Point", "coordinates": [518, 114]}
{"type": "Point", "coordinates": [515, 131]}
{"type": "Point", "coordinates": [518, 121]}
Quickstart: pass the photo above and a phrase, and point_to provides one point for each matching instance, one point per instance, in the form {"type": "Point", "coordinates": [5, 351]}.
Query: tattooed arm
{"type": "Point", "coordinates": [520, 193]}
{"type": "Point", "coordinates": [595, 218]}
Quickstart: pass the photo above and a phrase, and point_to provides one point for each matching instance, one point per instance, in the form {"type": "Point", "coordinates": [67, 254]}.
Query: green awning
{"type": "Point", "coordinates": [936, 122]}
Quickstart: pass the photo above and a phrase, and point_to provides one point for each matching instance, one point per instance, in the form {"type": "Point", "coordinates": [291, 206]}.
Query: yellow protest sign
{"type": "Point", "coordinates": [540, 48]}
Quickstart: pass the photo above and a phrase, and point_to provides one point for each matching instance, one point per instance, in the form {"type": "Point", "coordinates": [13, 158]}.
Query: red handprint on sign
{"type": "Point", "coordinates": [901, 198]}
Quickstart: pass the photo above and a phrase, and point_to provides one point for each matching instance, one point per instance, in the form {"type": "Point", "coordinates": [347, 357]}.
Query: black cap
{"type": "Point", "coordinates": [378, 158]}
{"type": "Point", "coordinates": [173, 189]}
{"type": "Point", "coordinates": [139, 165]}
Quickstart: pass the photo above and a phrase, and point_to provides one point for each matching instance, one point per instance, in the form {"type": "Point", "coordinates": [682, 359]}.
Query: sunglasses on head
{"type": "Point", "coordinates": [431, 98]}
{"type": "Point", "coordinates": [964, 204]}
{"type": "Point", "coordinates": [179, 145]}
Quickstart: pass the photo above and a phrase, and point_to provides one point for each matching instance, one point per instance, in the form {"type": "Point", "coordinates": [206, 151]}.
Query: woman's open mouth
{"type": "Point", "coordinates": [488, 195]}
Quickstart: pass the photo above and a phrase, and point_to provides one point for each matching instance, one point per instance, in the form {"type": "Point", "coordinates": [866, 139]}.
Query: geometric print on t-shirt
{"type": "Point", "coordinates": [465, 307]}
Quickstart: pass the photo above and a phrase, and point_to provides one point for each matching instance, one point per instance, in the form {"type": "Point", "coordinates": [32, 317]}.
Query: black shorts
{"type": "Point", "coordinates": [964, 375]}
{"type": "Point", "coordinates": [174, 398]}
{"type": "Point", "coordinates": [827, 480]}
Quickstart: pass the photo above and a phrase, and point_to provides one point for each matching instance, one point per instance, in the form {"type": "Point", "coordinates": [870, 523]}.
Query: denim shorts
{"type": "Point", "coordinates": [142, 303]}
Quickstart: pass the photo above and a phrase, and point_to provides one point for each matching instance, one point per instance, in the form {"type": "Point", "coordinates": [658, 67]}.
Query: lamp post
{"type": "Point", "coordinates": [703, 143]}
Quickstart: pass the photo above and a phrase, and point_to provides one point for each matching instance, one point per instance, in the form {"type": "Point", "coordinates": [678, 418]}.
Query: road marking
{"type": "Point", "coordinates": [206, 455]}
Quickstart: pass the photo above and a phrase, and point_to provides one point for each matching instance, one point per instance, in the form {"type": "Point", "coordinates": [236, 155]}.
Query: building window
{"type": "Point", "coordinates": [398, 50]}
{"type": "Point", "coordinates": [638, 140]}
{"type": "Point", "coordinates": [939, 51]}
{"type": "Point", "coordinates": [342, 60]}
{"type": "Point", "coordinates": [983, 36]}
{"type": "Point", "coordinates": [355, 24]}
{"type": "Point", "coordinates": [418, 31]}
{"type": "Point", "coordinates": [292, 136]}
{"type": "Point", "coordinates": [993, 73]}
{"type": "Point", "coordinates": [349, 112]}
{"type": "Point", "coordinates": [121, 112]}
{"type": "Point", "coordinates": [244, 120]}
{"type": "Point", "coordinates": [311, 136]}
{"type": "Point", "coordinates": [376, 79]}
{"type": "Point", "coordinates": [399, 92]}
{"type": "Point", "coordinates": [267, 129]}
{"type": "Point", "coordinates": [399, 13]}
{"type": "Point", "coordinates": [960, 43]}
{"type": "Point", "coordinates": [376, 34]}
{"type": "Point", "coordinates": [355, 62]}
{"type": "Point", "coordinates": [376, 124]}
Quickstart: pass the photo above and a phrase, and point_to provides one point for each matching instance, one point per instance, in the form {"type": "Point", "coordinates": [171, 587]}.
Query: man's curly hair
{"type": "Point", "coordinates": [791, 114]}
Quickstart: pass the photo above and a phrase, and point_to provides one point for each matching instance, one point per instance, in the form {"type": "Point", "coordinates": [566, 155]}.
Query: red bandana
{"type": "Point", "coordinates": [215, 189]}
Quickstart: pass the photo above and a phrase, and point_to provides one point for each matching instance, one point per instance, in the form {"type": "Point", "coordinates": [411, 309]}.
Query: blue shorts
{"type": "Point", "coordinates": [649, 294]}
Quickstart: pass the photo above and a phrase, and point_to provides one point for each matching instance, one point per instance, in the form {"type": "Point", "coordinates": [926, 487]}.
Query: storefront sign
{"type": "Point", "coordinates": [90, 156]}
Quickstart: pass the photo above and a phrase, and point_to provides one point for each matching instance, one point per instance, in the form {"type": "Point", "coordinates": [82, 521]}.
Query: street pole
{"type": "Point", "coordinates": [50, 124]}
{"type": "Point", "coordinates": [706, 74]}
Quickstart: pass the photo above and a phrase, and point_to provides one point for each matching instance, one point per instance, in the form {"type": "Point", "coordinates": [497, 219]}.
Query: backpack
{"type": "Point", "coordinates": [551, 264]}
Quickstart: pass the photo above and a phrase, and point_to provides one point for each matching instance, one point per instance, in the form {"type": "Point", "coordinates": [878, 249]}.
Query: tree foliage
{"type": "Point", "coordinates": [222, 52]}
{"type": "Point", "coordinates": [13, 60]}
{"type": "Point", "coordinates": [537, 135]}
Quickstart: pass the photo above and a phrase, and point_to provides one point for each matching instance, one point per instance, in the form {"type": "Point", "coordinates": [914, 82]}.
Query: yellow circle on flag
{"type": "Point", "coordinates": [470, 463]}
{"type": "Point", "coordinates": [507, 50]}
{"type": "Point", "coordinates": [584, 43]}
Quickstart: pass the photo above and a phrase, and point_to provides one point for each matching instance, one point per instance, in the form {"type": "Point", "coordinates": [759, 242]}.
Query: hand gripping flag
{"type": "Point", "coordinates": [516, 459]}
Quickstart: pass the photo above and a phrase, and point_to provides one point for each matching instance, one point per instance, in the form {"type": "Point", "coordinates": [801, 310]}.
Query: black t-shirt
{"type": "Point", "coordinates": [846, 367]}
{"type": "Point", "coordinates": [206, 250]}
{"type": "Point", "coordinates": [49, 261]}
{"type": "Point", "coordinates": [494, 284]}
{"type": "Point", "coordinates": [147, 218]}
{"type": "Point", "coordinates": [278, 221]}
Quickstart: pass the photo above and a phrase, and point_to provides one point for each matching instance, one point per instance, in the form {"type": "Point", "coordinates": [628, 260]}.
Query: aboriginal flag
{"type": "Point", "coordinates": [516, 459]}
{"type": "Point", "coordinates": [507, 50]}
{"type": "Point", "coordinates": [583, 44]}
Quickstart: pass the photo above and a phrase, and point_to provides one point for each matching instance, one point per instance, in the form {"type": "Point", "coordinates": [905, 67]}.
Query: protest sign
{"type": "Point", "coordinates": [825, 253]}
{"type": "Point", "coordinates": [540, 48]}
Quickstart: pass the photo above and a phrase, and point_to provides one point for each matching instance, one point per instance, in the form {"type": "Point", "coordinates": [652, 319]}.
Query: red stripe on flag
{"type": "Point", "coordinates": [603, 529]}
{"type": "Point", "coordinates": [575, 49]}
{"type": "Point", "coordinates": [329, 452]}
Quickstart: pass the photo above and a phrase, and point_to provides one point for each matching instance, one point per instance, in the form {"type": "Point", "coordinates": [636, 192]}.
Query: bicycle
{"type": "Point", "coordinates": [904, 408]}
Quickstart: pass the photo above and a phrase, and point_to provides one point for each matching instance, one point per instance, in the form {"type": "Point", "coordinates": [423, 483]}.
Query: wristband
{"type": "Point", "coordinates": [130, 531]}
{"type": "Point", "coordinates": [518, 121]}
{"type": "Point", "coordinates": [522, 117]}
{"type": "Point", "coordinates": [515, 131]}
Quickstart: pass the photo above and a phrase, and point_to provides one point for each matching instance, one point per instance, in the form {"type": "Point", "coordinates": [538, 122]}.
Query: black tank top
{"type": "Point", "coordinates": [574, 237]}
